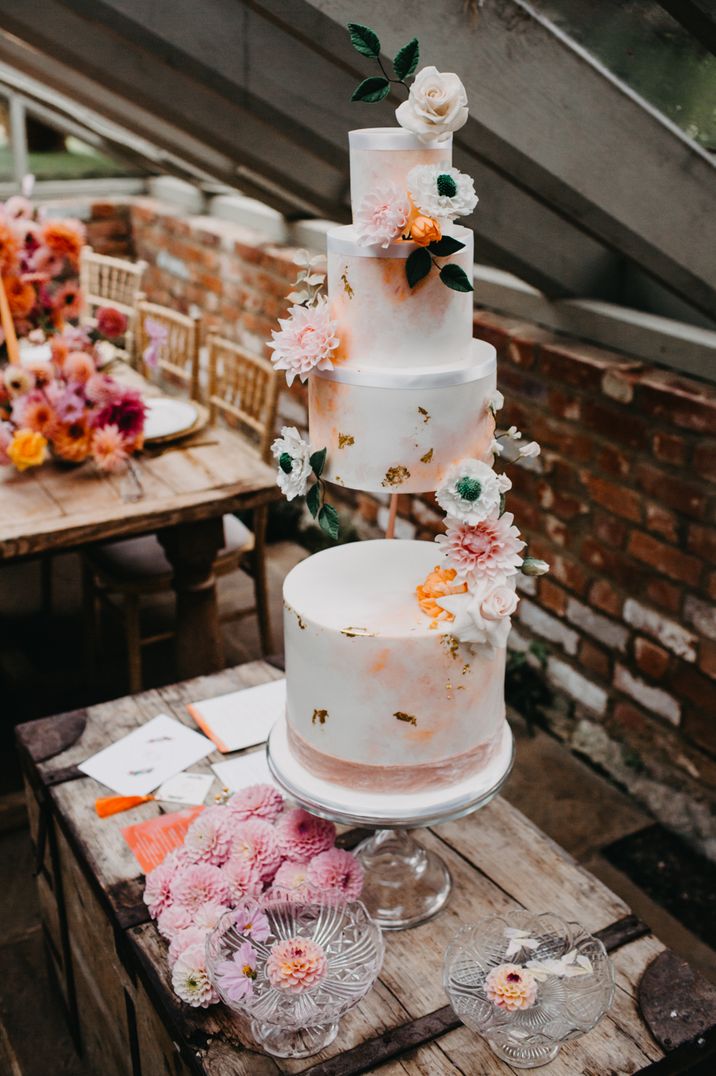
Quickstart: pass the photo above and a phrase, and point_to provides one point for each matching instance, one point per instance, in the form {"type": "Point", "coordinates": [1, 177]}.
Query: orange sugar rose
{"type": "Point", "coordinates": [28, 448]}
{"type": "Point", "coordinates": [425, 230]}
{"type": "Point", "coordinates": [438, 584]}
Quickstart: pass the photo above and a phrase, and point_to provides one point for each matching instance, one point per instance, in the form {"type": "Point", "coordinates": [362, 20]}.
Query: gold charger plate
{"type": "Point", "coordinates": [201, 421]}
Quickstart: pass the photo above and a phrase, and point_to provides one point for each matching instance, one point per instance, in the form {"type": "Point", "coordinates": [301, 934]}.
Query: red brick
{"type": "Point", "coordinates": [702, 541]}
{"type": "Point", "coordinates": [110, 228]}
{"type": "Point", "coordinates": [611, 563]}
{"type": "Point", "coordinates": [564, 405]}
{"type": "Point", "coordinates": [621, 501]}
{"type": "Point", "coordinates": [665, 594]}
{"type": "Point", "coordinates": [603, 595]}
{"type": "Point", "coordinates": [707, 657]}
{"type": "Point", "coordinates": [705, 460]}
{"type": "Point", "coordinates": [680, 401]}
{"type": "Point", "coordinates": [580, 365]}
{"type": "Point", "coordinates": [610, 459]}
{"type": "Point", "coordinates": [669, 448]}
{"type": "Point", "coordinates": [663, 522]}
{"type": "Point", "coordinates": [552, 597]}
{"type": "Point", "coordinates": [493, 328]}
{"type": "Point", "coordinates": [608, 529]}
{"type": "Point", "coordinates": [672, 490]}
{"type": "Point", "coordinates": [556, 530]}
{"type": "Point", "coordinates": [651, 659]}
{"type": "Point", "coordinates": [621, 425]}
{"type": "Point", "coordinates": [565, 570]}
{"type": "Point", "coordinates": [564, 505]}
{"type": "Point", "coordinates": [596, 659]}
{"type": "Point", "coordinates": [110, 209]}
{"type": "Point", "coordinates": [691, 684]}
{"type": "Point", "coordinates": [701, 728]}
{"type": "Point", "coordinates": [629, 717]}
{"type": "Point", "coordinates": [524, 385]}
{"type": "Point", "coordinates": [664, 559]}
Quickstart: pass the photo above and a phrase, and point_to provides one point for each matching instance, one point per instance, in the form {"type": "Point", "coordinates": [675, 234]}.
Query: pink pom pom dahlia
{"type": "Point", "coordinates": [109, 450]}
{"type": "Point", "coordinates": [302, 836]}
{"type": "Point", "coordinates": [158, 887]}
{"type": "Point", "coordinates": [242, 877]}
{"type": "Point", "coordinates": [256, 841]}
{"type": "Point", "coordinates": [511, 987]}
{"type": "Point", "coordinates": [338, 871]}
{"type": "Point", "coordinates": [256, 801]}
{"type": "Point", "coordinates": [198, 884]}
{"type": "Point", "coordinates": [208, 839]}
{"type": "Point", "coordinates": [183, 939]}
{"type": "Point", "coordinates": [173, 919]}
{"type": "Point", "coordinates": [190, 978]}
{"type": "Point", "coordinates": [306, 341]}
{"type": "Point", "coordinates": [296, 964]}
{"type": "Point", "coordinates": [489, 548]}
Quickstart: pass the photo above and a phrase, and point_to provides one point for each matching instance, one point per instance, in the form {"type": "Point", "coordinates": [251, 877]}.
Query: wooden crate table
{"type": "Point", "coordinates": [110, 961]}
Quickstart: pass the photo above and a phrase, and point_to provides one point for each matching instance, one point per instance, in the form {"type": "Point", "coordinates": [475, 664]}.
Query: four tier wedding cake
{"type": "Point", "coordinates": [395, 650]}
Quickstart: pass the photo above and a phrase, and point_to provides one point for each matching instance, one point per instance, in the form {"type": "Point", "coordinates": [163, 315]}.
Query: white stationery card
{"type": "Point", "coordinates": [242, 718]}
{"type": "Point", "coordinates": [238, 773]}
{"type": "Point", "coordinates": [140, 761]}
{"type": "Point", "coordinates": [190, 788]}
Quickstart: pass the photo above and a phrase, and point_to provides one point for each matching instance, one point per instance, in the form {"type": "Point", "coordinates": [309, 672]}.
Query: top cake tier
{"type": "Point", "coordinates": [385, 155]}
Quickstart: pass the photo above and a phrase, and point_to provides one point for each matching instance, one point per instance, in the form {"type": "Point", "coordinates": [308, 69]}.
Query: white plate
{"type": "Point", "coordinates": [166, 417]}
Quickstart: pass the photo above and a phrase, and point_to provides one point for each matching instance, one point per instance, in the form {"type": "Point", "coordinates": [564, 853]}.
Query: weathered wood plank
{"type": "Point", "coordinates": [23, 498]}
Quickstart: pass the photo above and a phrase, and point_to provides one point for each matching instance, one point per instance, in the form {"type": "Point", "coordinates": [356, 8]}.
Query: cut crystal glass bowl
{"type": "Point", "coordinates": [290, 1023]}
{"type": "Point", "coordinates": [527, 983]}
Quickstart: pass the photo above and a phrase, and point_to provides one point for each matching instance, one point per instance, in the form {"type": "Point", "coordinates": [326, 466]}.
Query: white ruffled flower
{"type": "Point", "coordinates": [471, 491]}
{"type": "Point", "coordinates": [436, 105]}
{"type": "Point", "coordinates": [441, 192]}
{"type": "Point", "coordinates": [529, 450]}
{"type": "Point", "coordinates": [382, 216]}
{"type": "Point", "coordinates": [482, 614]}
{"type": "Point", "coordinates": [306, 341]}
{"type": "Point", "coordinates": [294, 462]}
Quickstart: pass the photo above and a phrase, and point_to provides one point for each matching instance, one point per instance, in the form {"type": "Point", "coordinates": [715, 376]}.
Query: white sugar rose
{"type": "Point", "coordinates": [499, 603]}
{"type": "Point", "coordinates": [436, 107]}
{"type": "Point", "coordinates": [294, 462]}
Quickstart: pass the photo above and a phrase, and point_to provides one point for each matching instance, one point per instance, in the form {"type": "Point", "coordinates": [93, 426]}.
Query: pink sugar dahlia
{"type": "Point", "coordinates": [257, 842]}
{"type": "Point", "coordinates": [306, 341]}
{"type": "Point", "coordinates": [183, 939]}
{"type": "Point", "coordinates": [489, 548]}
{"type": "Point", "coordinates": [336, 870]}
{"type": "Point", "coordinates": [199, 883]}
{"type": "Point", "coordinates": [158, 887]}
{"type": "Point", "coordinates": [256, 801]}
{"type": "Point", "coordinates": [511, 987]}
{"type": "Point", "coordinates": [296, 964]}
{"type": "Point", "coordinates": [302, 836]}
{"type": "Point", "coordinates": [242, 877]}
{"type": "Point", "coordinates": [173, 919]}
{"type": "Point", "coordinates": [382, 215]}
{"type": "Point", "coordinates": [208, 839]}
{"type": "Point", "coordinates": [190, 978]}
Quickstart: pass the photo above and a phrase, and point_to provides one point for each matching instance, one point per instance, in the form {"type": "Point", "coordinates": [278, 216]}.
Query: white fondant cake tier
{"type": "Point", "coordinates": [400, 430]}
{"type": "Point", "coordinates": [384, 322]}
{"type": "Point", "coordinates": [378, 697]}
{"type": "Point", "coordinates": [383, 156]}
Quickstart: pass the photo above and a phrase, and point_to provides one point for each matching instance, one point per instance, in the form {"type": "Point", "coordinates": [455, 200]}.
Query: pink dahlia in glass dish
{"type": "Point", "coordinates": [296, 964]}
{"type": "Point", "coordinates": [511, 987]}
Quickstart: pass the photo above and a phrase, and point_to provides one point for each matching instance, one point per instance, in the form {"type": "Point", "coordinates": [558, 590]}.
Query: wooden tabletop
{"type": "Point", "coordinates": [57, 507]}
{"type": "Point", "coordinates": [498, 860]}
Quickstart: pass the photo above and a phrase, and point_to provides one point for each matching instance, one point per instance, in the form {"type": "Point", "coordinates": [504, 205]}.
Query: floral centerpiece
{"type": "Point", "coordinates": [250, 847]}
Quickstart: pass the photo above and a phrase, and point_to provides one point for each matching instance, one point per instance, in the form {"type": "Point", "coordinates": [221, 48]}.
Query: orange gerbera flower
{"type": "Point", "coordinates": [72, 441]}
{"type": "Point", "coordinates": [64, 238]}
{"type": "Point", "coordinates": [21, 296]}
{"type": "Point", "coordinates": [8, 250]}
{"type": "Point", "coordinates": [38, 415]}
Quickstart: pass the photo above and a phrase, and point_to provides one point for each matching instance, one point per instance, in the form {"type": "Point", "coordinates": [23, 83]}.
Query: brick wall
{"type": "Point", "coordinates": [620, 503]}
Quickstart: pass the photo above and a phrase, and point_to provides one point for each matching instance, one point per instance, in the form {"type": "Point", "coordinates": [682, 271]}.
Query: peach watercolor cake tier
{"type": "Point", "coordinates": [379, 695]}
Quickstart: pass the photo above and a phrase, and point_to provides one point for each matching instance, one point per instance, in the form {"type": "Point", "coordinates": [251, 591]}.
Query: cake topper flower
{"type": "Point", "coordinates": [441, 192]}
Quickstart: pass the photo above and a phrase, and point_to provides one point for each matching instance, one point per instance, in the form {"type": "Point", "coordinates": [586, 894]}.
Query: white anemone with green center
{"type": "Point", "coordinates": [471, 491]}
{"type": "Point", "coordinates": [294, 462]}
{"type": "Point", "coordinates": [441, 192]}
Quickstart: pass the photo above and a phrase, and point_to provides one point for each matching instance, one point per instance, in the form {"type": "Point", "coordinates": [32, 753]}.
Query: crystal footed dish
{"type": "Point", "coordinates": [527, 983]}
{"type": "Point", "coordinates": [294, 968]}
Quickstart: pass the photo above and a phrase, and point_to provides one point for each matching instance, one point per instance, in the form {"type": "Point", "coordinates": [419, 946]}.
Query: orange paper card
{"type": "Point", "coordinates": [151, 841]}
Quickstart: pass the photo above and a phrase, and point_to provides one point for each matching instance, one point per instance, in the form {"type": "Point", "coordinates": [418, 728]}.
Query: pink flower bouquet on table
{"type": "Point", "coordinates": [235, 855]}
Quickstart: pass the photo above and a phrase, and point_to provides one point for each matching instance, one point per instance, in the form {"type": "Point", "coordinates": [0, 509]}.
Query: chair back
{"type": "Point", "coordinates": [168, 342]}
{"type": "Point", "coordinates": [243, 390]}
{"type": "Point", "coordinates": [107, 281]}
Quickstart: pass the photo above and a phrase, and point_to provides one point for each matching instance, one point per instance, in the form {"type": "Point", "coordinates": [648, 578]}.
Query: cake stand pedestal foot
{"type": "Point", "coordinates": [404, 883]}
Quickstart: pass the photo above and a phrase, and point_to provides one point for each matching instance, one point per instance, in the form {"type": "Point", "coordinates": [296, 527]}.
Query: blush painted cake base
{"type": "Point", "coordinates": [404, 883]}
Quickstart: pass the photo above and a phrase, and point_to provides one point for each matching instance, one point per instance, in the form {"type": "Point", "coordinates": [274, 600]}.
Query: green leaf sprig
{"type": "Point", "coordinates": [328, 519]}
{"type": "Point", "coordinates": [421, 261]}
{"type": "Point", "coordinates": [374, 89]}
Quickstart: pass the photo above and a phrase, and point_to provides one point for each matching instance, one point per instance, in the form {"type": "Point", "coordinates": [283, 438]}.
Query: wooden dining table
{"type": "Point", "coordinates": [186, 488]}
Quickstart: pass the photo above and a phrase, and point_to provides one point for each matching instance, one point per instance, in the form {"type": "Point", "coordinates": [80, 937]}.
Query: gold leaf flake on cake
{"type": "Point", "coordinates": [409, 719]}
{"type": "Point", "coordinates": [345, 439]}
{"type": "Point", "coordinates": [290, 609]}
{"type": "Point", "coordinates": [394, 476]}
{"type": "Point", "coordinates": [427, 457]}
{"type": "Point", "coordinates": [319, 717]}
{"type": "Point", "coordinates": [352, 633]}
{"type": "Point", "coordinates": [451, 645]}
{"type": "Point", "coordinates": [346, 284]}
{"type": "Point", "coordinates": [425, 414]}
{"type": "Point", "coordinates": [465, 669]}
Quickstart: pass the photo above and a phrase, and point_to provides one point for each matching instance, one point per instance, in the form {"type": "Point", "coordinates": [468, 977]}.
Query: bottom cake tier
{"type": "Point", "coordinates": [379, 697]}
{"type": "Point", "coordinates": [400, 430]}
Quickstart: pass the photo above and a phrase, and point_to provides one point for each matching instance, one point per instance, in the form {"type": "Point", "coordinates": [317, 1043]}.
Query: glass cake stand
{"type": "Point", "coordinates": [405, 884]}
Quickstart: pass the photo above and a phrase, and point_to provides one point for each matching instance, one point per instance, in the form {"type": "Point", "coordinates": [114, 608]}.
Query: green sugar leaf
{"type": "Point", "coordinates": [417, 266]}
{"type": "Point", "coordinates": [456, 278]}
{"type": "Point", "coordinates": [442, 248]}
{"type": "Point", "coordinates": [318, 462]}
{"type": "Point", "coordinates": [329, 521]}
{"type": "Point", "coordinates": [371, 90]}
{"type": "Point", "coordinates": [313, 499]}
{"type": "Point", "coordinates": [406, 59]}
{"type": "Point", "coordinates": [364, 40]}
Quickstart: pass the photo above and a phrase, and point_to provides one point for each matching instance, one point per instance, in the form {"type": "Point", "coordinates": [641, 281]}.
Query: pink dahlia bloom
{"type": "Point", "coordinates": [197, 884]}
{"type": "Point", "coordinates": [489, 548]}
{"type": "Point", "coordinates": [291, 875]}
{"type": "Point", "coordinates": [296, 964]}
{"type": "Point", "coordinates": [382, 216]}
{"type": "Point", "coordinates": [302, 835]}
{"type": "Point", "coordinates": [306, 341]}
{"type": "Point", "coordinates": [109, 449]}
{"type": "Point", "coordinates": [511, 987]}
{"type": "Point", "coordinates": [336, 870]}
{"type": "Point", "coordinates": [102, 389]}
{"type": "Point", "coordinates": [183, 939]}
{"type": "Point", "coordinates": [208, 915]}
{"type": "Point", "coordinates": [208, 839]}
{"type": "Point", "coordinates": [256, 841]}
{"type": "Point", "coordinates": [190, 978]}
{"type": "Point", "coordinates": [257, 801]}
{"type": "Point", "coordinates": [158, 887]}
{"type": "Point", "coordinates": [173, 919]}
{"type": "Point", "coordinates": [242, 877]}
{"type": "Point", "coordinates": [126, 412]}
{"type": "Point", "coordinates": [236, 975]}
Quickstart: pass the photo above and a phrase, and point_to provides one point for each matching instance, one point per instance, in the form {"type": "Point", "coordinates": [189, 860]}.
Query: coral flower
{"type": "Point", "coordinates": [109, 450]}
{"type": "Point", "coordinates": [9, 249]}
{"type": "Point", "coordinates": [72, 441]}
{"type": "Point", "coordinates": [296, 964]}
{"type": "Point", "coordinates": [60, 350]}
{"type": "Point", "coordinates": [79, 367]}
{"type": "Point", "coordinates": [425, 230]}
{"type": "Point", "coordinates": [21, 296]}
{"type": "Point", "coordinates": [490, 548]}
{"type": "Point", "coordinates": [511, 987]}
{"type": "Point", "coordinates": [66, 302]}
{"type": "Point", "coordinates": [111, 323]}
{"type": "Point", "coordinates": [28, 448]}
{"type": "Point", "coordinates": [439, 583]}
{"type": "Point", "coordinates": [34, 412]}
{"type": "Point", "coordinates": [302, 835]}
{"type": "Point", "coordinates": [64, 238]}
